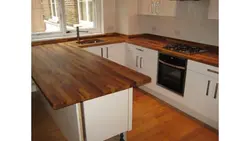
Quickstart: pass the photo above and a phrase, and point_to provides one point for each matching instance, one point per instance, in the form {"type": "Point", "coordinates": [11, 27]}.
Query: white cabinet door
{"type": "Point", "coordinates": [196, 91]}
{"type": "Point", "coordinates": [157, 7]}
{"type": "Point", "coordinates": [108, 116]}
{"type": "Point", "coordinates": [145, 7]}
{"type": "Point", "coordinates": [132, 57]}
{"type": "Point", "coordinates": [166, 8]}
{"type": "Point", "coordinates": [148, 65]}
{"type": "Point", "coordinates": [115, 53]}
{"type": "Point", "coordinates": [95, 50]}
{"type": "Point", "coordinates": [213, 9]}
{"type": "Point", "coordinates": [211, 102]}
{"type": "Point", "coordinates": [201, 94]}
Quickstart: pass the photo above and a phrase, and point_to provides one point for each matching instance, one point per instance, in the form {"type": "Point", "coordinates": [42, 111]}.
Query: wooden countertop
{"type": "Point", "coordinates": [68, 75]}
{"type": "Point", "coordinates": [210, 57]}
{"type": "Point", "coordinates": [149, 41]}
{"type": "Point", "coordinates": [106, 41]}
{"type": "Point", "coordinates": [157, 43]}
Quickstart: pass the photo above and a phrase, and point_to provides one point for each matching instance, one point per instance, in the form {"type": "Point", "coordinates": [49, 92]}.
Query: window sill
{"type": "Point", "coordinates": [60, 36]}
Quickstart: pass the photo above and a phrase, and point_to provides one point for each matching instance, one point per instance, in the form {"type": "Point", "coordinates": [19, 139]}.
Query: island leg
{"type": "Point", "coordinates": [122, 137]}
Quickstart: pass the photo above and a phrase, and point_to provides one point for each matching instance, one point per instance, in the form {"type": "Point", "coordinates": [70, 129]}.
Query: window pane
{"type": "Point", "coordinates": [54, 10]}
{"type": "Point", "coordinates": [82, 8]}
{"type": "Point", "coordinates": [43, 16]}
{"type": "Point", "coordinates": [91, 11]}
{"type": "Point", "coordinates": [80, 13]}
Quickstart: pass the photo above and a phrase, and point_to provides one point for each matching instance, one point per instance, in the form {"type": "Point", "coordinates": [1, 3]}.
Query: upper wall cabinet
{"type": "Point", "coordinates": [157, 7]}
{"type": "Point", "coordinates": [213, 9]}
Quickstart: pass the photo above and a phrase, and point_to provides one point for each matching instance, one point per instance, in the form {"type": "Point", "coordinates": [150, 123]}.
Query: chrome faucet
{"type": "Point", "coordinates": [78, 33]}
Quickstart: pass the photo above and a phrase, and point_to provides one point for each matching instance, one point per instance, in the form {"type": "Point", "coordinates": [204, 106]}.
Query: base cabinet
{"type": "Point", "coordinates": [96, 119]}
{"type": "Point", "coordinates": [95, 50]}
{"type": "Point", "coordinates": [143, 60]}
{"type": "Point", "coordinates": [113, 52]}
{"type": "Point", "coordinates": [202, 94]}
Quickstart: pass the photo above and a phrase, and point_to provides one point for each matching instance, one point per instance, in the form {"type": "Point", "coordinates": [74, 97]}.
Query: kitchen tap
{"type": "Point", "coordinates": [78, 33]}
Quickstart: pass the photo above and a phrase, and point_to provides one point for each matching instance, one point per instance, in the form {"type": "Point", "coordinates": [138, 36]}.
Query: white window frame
{"type": "Point", "coordinates": [64, 32]}
{"type": "Point", "coordinates": [54, 18]}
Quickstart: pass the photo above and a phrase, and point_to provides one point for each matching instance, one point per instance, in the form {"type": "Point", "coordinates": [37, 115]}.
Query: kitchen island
{"type": "Point", "coordinates": [89, 97]}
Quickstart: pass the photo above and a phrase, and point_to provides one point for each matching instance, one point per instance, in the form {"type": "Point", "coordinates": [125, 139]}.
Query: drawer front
{"type": "Point", "coordinates": [203, 68]}
{"type": "Point", "coordinates": [139, 48]}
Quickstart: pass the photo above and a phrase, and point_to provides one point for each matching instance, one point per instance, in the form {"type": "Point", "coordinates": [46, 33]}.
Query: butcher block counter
{"type": "Point", "coordinates": [68, 75]}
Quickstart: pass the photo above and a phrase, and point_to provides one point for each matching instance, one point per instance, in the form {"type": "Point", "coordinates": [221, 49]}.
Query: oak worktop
{"type": "Point", "coordinates": [67, 75]}
{"type": "Point", "coordinates": [210, 57]}
{"type": "Point", "coordinates": [158, 43]}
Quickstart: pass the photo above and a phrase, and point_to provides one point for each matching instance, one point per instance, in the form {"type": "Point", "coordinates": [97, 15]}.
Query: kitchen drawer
{"type": "Point", "coordinates": [139, 48]}
{"type": "Point", "coordinates": [203, 68]}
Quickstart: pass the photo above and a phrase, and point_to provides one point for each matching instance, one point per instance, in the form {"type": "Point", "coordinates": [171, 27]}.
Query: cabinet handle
{"type": "Point", "coordinates": [102, 52]}
{"type": "Point", "coordinates": [107, 52]}
{"type": "Point", "coordinates": [216, 89]}
{"type": "Point", "coordinates": [139, 49]}
{"type": "Point", "coordinates": [136, 61]}
{"type": "Point", "coordinates": [140, 62]}
{"type": "Point", "coordinates": [213, 71]}
{"type": "Point", "coordinates": [208, 85]}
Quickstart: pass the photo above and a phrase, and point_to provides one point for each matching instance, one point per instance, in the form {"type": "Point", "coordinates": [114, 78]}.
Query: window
{"type": "Point", "coordinates": [60, 17]}
{"type": "Point", "coordinates": [86, 13]}
{"type": "Point", "coordinates": [54, 10]}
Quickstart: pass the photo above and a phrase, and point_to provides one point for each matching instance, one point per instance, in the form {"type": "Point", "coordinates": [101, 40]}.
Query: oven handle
{"type": "Point", "coordinates": [174, 66]}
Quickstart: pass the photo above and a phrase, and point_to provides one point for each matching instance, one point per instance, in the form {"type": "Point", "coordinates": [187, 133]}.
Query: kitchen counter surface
{"type": "Point", "coordinates": [149, 41]}
{"type": "Point", "coordinates": [106, 40]}
{"type": "Point", "coordinates": [158, 43]}
{"type": "Point", "coordinates": [68, 75]}
{"type": "Point", "coordinates": [211, 57]}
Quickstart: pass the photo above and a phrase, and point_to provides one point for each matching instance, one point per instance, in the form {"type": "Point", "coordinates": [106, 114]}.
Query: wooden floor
{"type": "Point", "coordinates": [153, 120]}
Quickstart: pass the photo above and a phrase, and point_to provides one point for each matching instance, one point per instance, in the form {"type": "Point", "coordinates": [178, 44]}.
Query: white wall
{"type": "Point", "coordinates": [121, 16]}
{"type": "Point", "coordinates": [126, 17]}
{"type": "Point", "coordinates": [191, 23]}
{"type": "Point", "coordinates": [109, 23]}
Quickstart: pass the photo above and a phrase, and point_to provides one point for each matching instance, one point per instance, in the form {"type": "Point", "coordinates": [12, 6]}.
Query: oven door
{"type": "Point", "coordinates": [171, 77]}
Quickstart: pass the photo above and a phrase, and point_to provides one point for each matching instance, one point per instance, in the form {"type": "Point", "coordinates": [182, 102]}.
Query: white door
{"type": "Point", "coordinates": [212, 101]}
{"type": "Point", "coordinates": [166, 7]}
{"type": "Point", "coordinates": [145, 7]}
{"type": "Point", "coordinates": [148, 65]}
{"type": "Point", "coordinates": [201, 94]}
{"type": "Point", "coordinates": [108, 116]}
{"type": "Point", "coordinates": [132, 57]}
{"type": "Point", "coordinates": [95, 50]}
{"type": "Point", "coordinates": [116, 53]}
{"type": "Point", "coordinates": [197, 89]}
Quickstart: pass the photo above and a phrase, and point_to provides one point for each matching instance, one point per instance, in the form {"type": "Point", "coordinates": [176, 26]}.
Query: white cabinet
{"type": "Point", "coordinates": [116, 53]}
{"type": "Point", "coordinates": [113, 52]}
{"type": "Point", "coordinates": [108, 116]}
{"type": "Point", "coordinates": [157, 7]}
{"type": "Point", "coordinates": [95, 50]}
{"type": "Point", "coordinates": [142, 60]}
{"type": "Point", "coordinates": [213, 9]}
{"type": "Point", "coordinates": [145, 7]}
{"type": "Point", "coordinates": [201, 92]}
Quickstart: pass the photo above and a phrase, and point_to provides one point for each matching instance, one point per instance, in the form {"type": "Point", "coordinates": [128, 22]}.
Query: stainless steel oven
{"type": "Point", "coordinates": [172, 73]}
